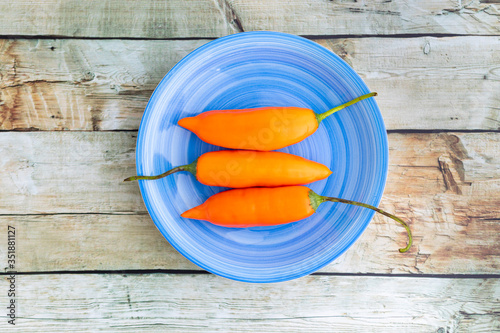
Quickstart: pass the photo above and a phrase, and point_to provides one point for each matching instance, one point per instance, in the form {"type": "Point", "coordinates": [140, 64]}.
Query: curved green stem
{"type": "Point", "coordinates": [321, 116]}
{"type": "Point", "coordinates": [378, 210]}
{"type": "Point", "coordinates": [189, 167]}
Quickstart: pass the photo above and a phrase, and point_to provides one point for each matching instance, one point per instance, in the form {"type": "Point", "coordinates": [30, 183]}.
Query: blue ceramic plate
{"type": "Point", "coordinates": [250, 70]}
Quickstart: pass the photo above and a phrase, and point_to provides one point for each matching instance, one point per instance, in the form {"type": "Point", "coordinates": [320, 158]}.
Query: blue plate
{"type": "Point", "coordinates": [256, 69]}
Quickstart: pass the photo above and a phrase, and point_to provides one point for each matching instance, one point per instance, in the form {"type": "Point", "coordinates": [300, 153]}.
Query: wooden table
{"type": "Point", "coordinates": [75, 77]}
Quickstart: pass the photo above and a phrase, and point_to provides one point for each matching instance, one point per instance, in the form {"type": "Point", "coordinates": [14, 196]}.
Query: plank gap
{"type": "Point", "coordinates": [203, 272]}
{"type": "Point", "coordinates": [391, 131]}
{"type": "Point", "coordinates": [424, 131]}
{"type": "Point", "coordinates": [312, 37]}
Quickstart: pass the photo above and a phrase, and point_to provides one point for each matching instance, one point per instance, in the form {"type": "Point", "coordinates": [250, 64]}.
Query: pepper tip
{"type": "Point", "coordinates": [196, 213]}
{"type": "Point", "coordinates": [188, 123]}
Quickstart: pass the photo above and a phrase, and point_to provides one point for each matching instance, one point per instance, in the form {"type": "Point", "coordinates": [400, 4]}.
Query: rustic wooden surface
{"type": "Point", "coordinates": [215, 18]}
{"type": "Point", "coordinates": [445, 184]}
{"type": "Point", "coordinates": [74, 84]}
{"type": "Point", "coordinates": [74, 80]}
{"type": "Point", "coordinates": [207, 303]}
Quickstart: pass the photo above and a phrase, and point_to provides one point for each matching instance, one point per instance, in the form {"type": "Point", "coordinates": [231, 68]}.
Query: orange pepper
{"type": "Point", "coordinates": [254, 207]}
{"type": "Point", "coordinates": [243, 168]}
{"type": "Point", "coordinates": [266, 128]}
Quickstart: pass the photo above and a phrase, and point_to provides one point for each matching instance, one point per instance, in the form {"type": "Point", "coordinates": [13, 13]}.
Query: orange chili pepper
{"type": "Point", "coordinates": [266, 128]}
{"type": "Point", "coordinates": [253, 207]}
{"type": "Point", "coordinates": [243, 168]}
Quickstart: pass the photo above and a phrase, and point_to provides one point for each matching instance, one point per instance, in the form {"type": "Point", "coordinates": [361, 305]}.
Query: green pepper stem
{"type": "Point", "coordinates": [321, 116]}
{"type": "Point", "coordinates": [189, 167]}
{"type": "Point", "coordinates": [378, 210]}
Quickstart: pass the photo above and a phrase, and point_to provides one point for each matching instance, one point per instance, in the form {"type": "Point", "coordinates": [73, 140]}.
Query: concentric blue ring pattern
{"type": "Point", "coordinates": [257, 69]}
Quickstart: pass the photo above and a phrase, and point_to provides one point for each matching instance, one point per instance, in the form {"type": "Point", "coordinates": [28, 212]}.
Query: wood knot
{"type": "Point", "coordinates": [427, 48]}
{"type": "Point", "coordinates": [88, 76]}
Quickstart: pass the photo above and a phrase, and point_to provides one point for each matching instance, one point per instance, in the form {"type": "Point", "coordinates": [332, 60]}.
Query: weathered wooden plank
{"type": "Point", "coordinates": [91, 242]}
{"type": "Point", "coordinates": [113, 18]}
{"type": "Point", "coordinates": [108, 242]}
{"type": "Point", "coordinates": [445, 185]}
{"type": "Point", "coordinates": [429, 83]}
{"type": "Point", "coordinates": [205, 18]}
{"type": "Point", "coordinates": [423, 83]}
{"type": "Point", "coordinates": [207, 303]}
{"type": "Point", "coordinates": [59, 172]}
{"type": "Point", "coordinates": [82, 172]}
{"type": "Point", "coordinates": [379, 18]}
{"type": "Point", "coordinates": [82, 84]}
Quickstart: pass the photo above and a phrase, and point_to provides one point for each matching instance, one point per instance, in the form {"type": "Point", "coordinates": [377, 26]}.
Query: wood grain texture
{"type": "Point", "coordinates": [423, 83]}
{"type": "Point", "coordinates": [113, 18]}
{"type": "Point", "coordinates": [206, 18]}
{"type": "Point", "coordinates": [60, 172]}
{"type": "Point", "coordinates": [446, 186]}
{"type": "Point", "coordinates": [429, 83]}
{"type": "Point", "coordinates": [207, 303]}
{"type": "Point", "coordinates": [82, 84]}
{"type": "Point", "coordinates": [62, 188]}
{"type": "Point", "coordinates": [336, 17]}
